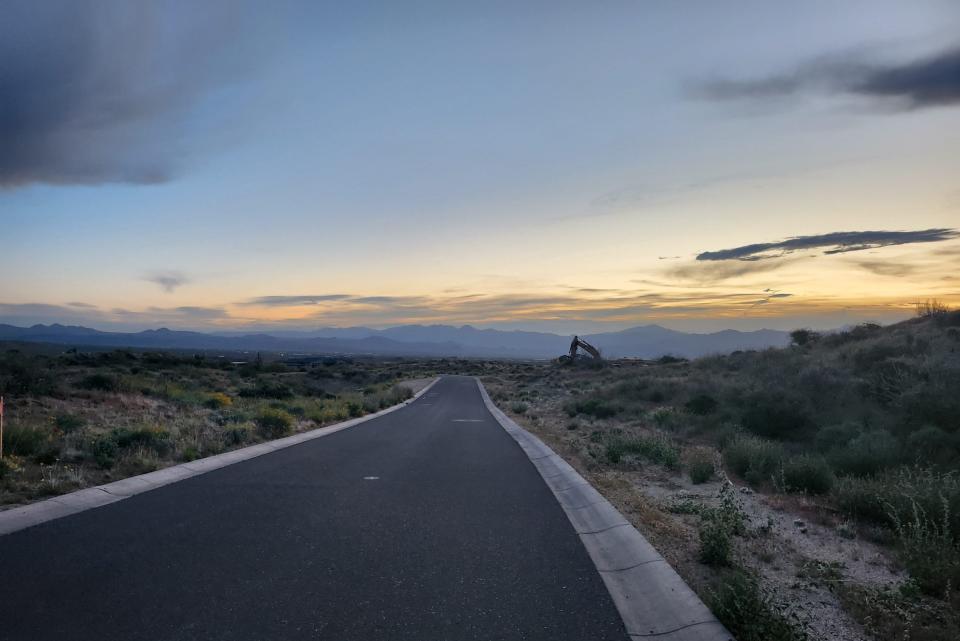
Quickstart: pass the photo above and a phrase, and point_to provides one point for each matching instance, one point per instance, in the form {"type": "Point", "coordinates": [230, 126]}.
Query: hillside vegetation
{"type": "Point", "coordinates": [76, 419]}
{"type": "Point", "coordinates": [861, 426]}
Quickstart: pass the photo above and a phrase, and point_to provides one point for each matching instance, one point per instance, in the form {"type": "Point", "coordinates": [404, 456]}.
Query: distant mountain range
{"type": "Point", "coordinates": [648, 341]}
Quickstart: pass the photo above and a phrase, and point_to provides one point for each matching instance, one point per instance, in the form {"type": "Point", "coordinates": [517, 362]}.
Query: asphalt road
{"type": "Point", "coordinates": [455, 537]}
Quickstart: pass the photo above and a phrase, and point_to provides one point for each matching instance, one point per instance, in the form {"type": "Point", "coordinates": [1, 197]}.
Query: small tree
{"type": "Point", "coordinates": [930, 307]}
{"type": "Point", "coordinates": [803, 337]}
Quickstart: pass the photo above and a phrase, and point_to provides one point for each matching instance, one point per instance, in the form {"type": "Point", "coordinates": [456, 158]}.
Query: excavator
{"type": "Point", "coordinates": [576, 343]}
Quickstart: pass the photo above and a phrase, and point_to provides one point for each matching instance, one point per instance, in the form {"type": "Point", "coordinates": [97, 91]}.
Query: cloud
{"type": "Point", "coordinates": [887, 268]}
{"type": "Point", "coordinates": [292, 301]}
{"type": "Point", "coordinates": [74, 313]}
{"type": "Point", "coordinates": [715, 272]}
{"type": "Point", "coordinates": [836, 242]}
{"type": "Point", "coordinates": [169, 281]}
{"type": "Point", "coordinates": [927, 82]}
{"type": "Point", "coordinates": [106, 92]}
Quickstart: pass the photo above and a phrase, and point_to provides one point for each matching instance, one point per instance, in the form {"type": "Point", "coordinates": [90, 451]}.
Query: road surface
{"type": "Point", "coordinates": [428, 523]}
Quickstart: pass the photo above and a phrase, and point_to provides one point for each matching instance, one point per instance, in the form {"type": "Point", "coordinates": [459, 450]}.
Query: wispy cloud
{"type": "Point", "coordinates": [835, 242]}
{"type": "Point", "coordinates": [882, 268]}
{"type": "Point", "coordinates": [292, 301]}
{"type": "Point", "coordinates": [168, 281]}
{"type": "Point", "coordinates": [717, 272]}
{"type": "Point", "coordinates": [914, 84]}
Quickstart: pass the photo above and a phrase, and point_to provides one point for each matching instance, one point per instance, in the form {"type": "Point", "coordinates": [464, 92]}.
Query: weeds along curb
{"type": "Point", "coordinates": [19, 518]}
{"type": "Point", "coordinates": [654, 602]}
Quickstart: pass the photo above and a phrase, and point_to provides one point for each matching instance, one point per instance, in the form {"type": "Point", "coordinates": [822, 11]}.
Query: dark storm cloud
{"type": "Point", "coordinates": [836, 242]}
{"type": "Point", "coordinates": [169, 281]}
{"type": "Point", "coordinates": [927, 82]}
{"type": "Point", "coordinates": [102, 92]}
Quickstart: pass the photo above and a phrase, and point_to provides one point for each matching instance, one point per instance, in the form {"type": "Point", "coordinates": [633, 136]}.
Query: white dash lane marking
{"type": "Point", "coordinates": [371, 478]}
{"type": "Point", "coordinates": [468, 420]}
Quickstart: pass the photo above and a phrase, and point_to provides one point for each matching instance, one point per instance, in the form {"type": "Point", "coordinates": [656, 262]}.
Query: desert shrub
{"type": "Point", "coordinates": [933, 399]}
{"type": "Point", "coordinates": [273, 423]}
{"type": "Point", "coordinates": [929, 549]}
{"type": "Point", "coordinates": [804, 337]}
{"type": "Point", "coordinates": [596, 407]}
{"type": "Point", "coordinates": [190, 453]}
{"type": "Point", "coordinates": [398, 394]}
{"type": "Point", "coordinates": [267, 389]}
{"type": "Point", "coordinates": [889, 498]}
{"type": "Point", "coordinates": [754, 459]}
{"type": "Point", "coordinates": [807, 474]}
{"type": "Point", "coordinates": [354, 408]}
{"type": "Point", "coordinates": [834, 436]}
{"type": "Point", "coordinates": [656, 448]}
{"type": "Point", "coordinates": [218, 401]}
{"type": "Point", "coordinates": [24, 440]}
{"type": "Point", "coordinates": [104, 451]}
{"type": "Point", "coordinates": [21, 375]}
{"type": "Point", "coordinates": [518, 408]}
{"type": "Point", "coordinates": [153, 437]}
{"type": "Point", "coordinates": [933, 445]}
{"type": "Point", "coordinates": [68, 422]}
{"type": "Point", "coordinates": [742, 607]}
{"type": "Point", "coordinates": [666, 418]}
{"type": "Point", "coordinates": [701, 405]}
{"type": "Point", "coordinates": [701, 465]}
{"type": "Point", "coordinates": [775, 416]}
{"type": "Point", "coordinates": [7, 466]}
{"type": "Point", "coordinates": [100, 382]}
{"type": "Point", "coordinates": [717, 529]}
{"type": "Point", "coordinates": [237, 434]}
{"type": "Point", "coordinates": [868, 453]}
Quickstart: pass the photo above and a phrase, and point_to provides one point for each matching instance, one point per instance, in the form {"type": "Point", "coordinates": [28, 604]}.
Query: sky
{"type": "Point", "coordinates": [558, 166]}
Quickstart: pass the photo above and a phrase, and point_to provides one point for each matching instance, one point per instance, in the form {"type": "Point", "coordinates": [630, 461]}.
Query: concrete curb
{"type": "Point", "coordinates": [654, 602]}
{"type": "Point", "coordinates": [19, 518]}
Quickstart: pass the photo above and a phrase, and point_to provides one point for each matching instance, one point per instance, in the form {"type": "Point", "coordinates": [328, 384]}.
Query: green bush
{"type": "Point", "coordinates": [21, 375]}
{"type": "Point", "coordinates": [933, 445]}
{"type": "Point", "coordinates": [754, 459]}
{"type": "Point", "coordinates": [701, 466]}
{"type": "Point", "coordinates": [930, 550]}
{"type": "Point", "coordinates": [747, 613]}
{"type": "Point", "coordinates": [354, 409]}
{"type": "Point", "coordinates": [869, 453]}
{"type": "Point", "coordinates": [835, 436]}
{"type": "Point", "coordinates": [101, 382]}
{"type": "Point", "coordinates": [717, 529]}
{"type": "Point", "coordinates": [152, 437]}
{"type": "Point", "coordinates": [701, 405]}
{"type": "Point", "coordinates": [236, 434]}
{"type": "Point", "coordinates": [267, 389]}
{"type": "Point", "coordinates": [596, 407]}
{"type": "Point", "coordinates": [889, 498]}
{"type": "Point", "coordinates": [775, 416]}
{"type": "Point", "coordinates": [273, 423]}
{"type": "Point", "coordinates": [69, 422]}
{"type": "Point", "coordinates": [24, 440]}
{"type": "Point", "coordinates": [518, 408]}
{"type": "Point", "coordinates": [657, 448]}
{"type": "Point", "coordinates": [807, 474]}
{"type": "Point", "coordinates": [104, 451]}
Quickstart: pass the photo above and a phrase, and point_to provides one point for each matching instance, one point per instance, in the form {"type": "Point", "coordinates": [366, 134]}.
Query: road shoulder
{"type": "Point", "coordinates": [651, 597]}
